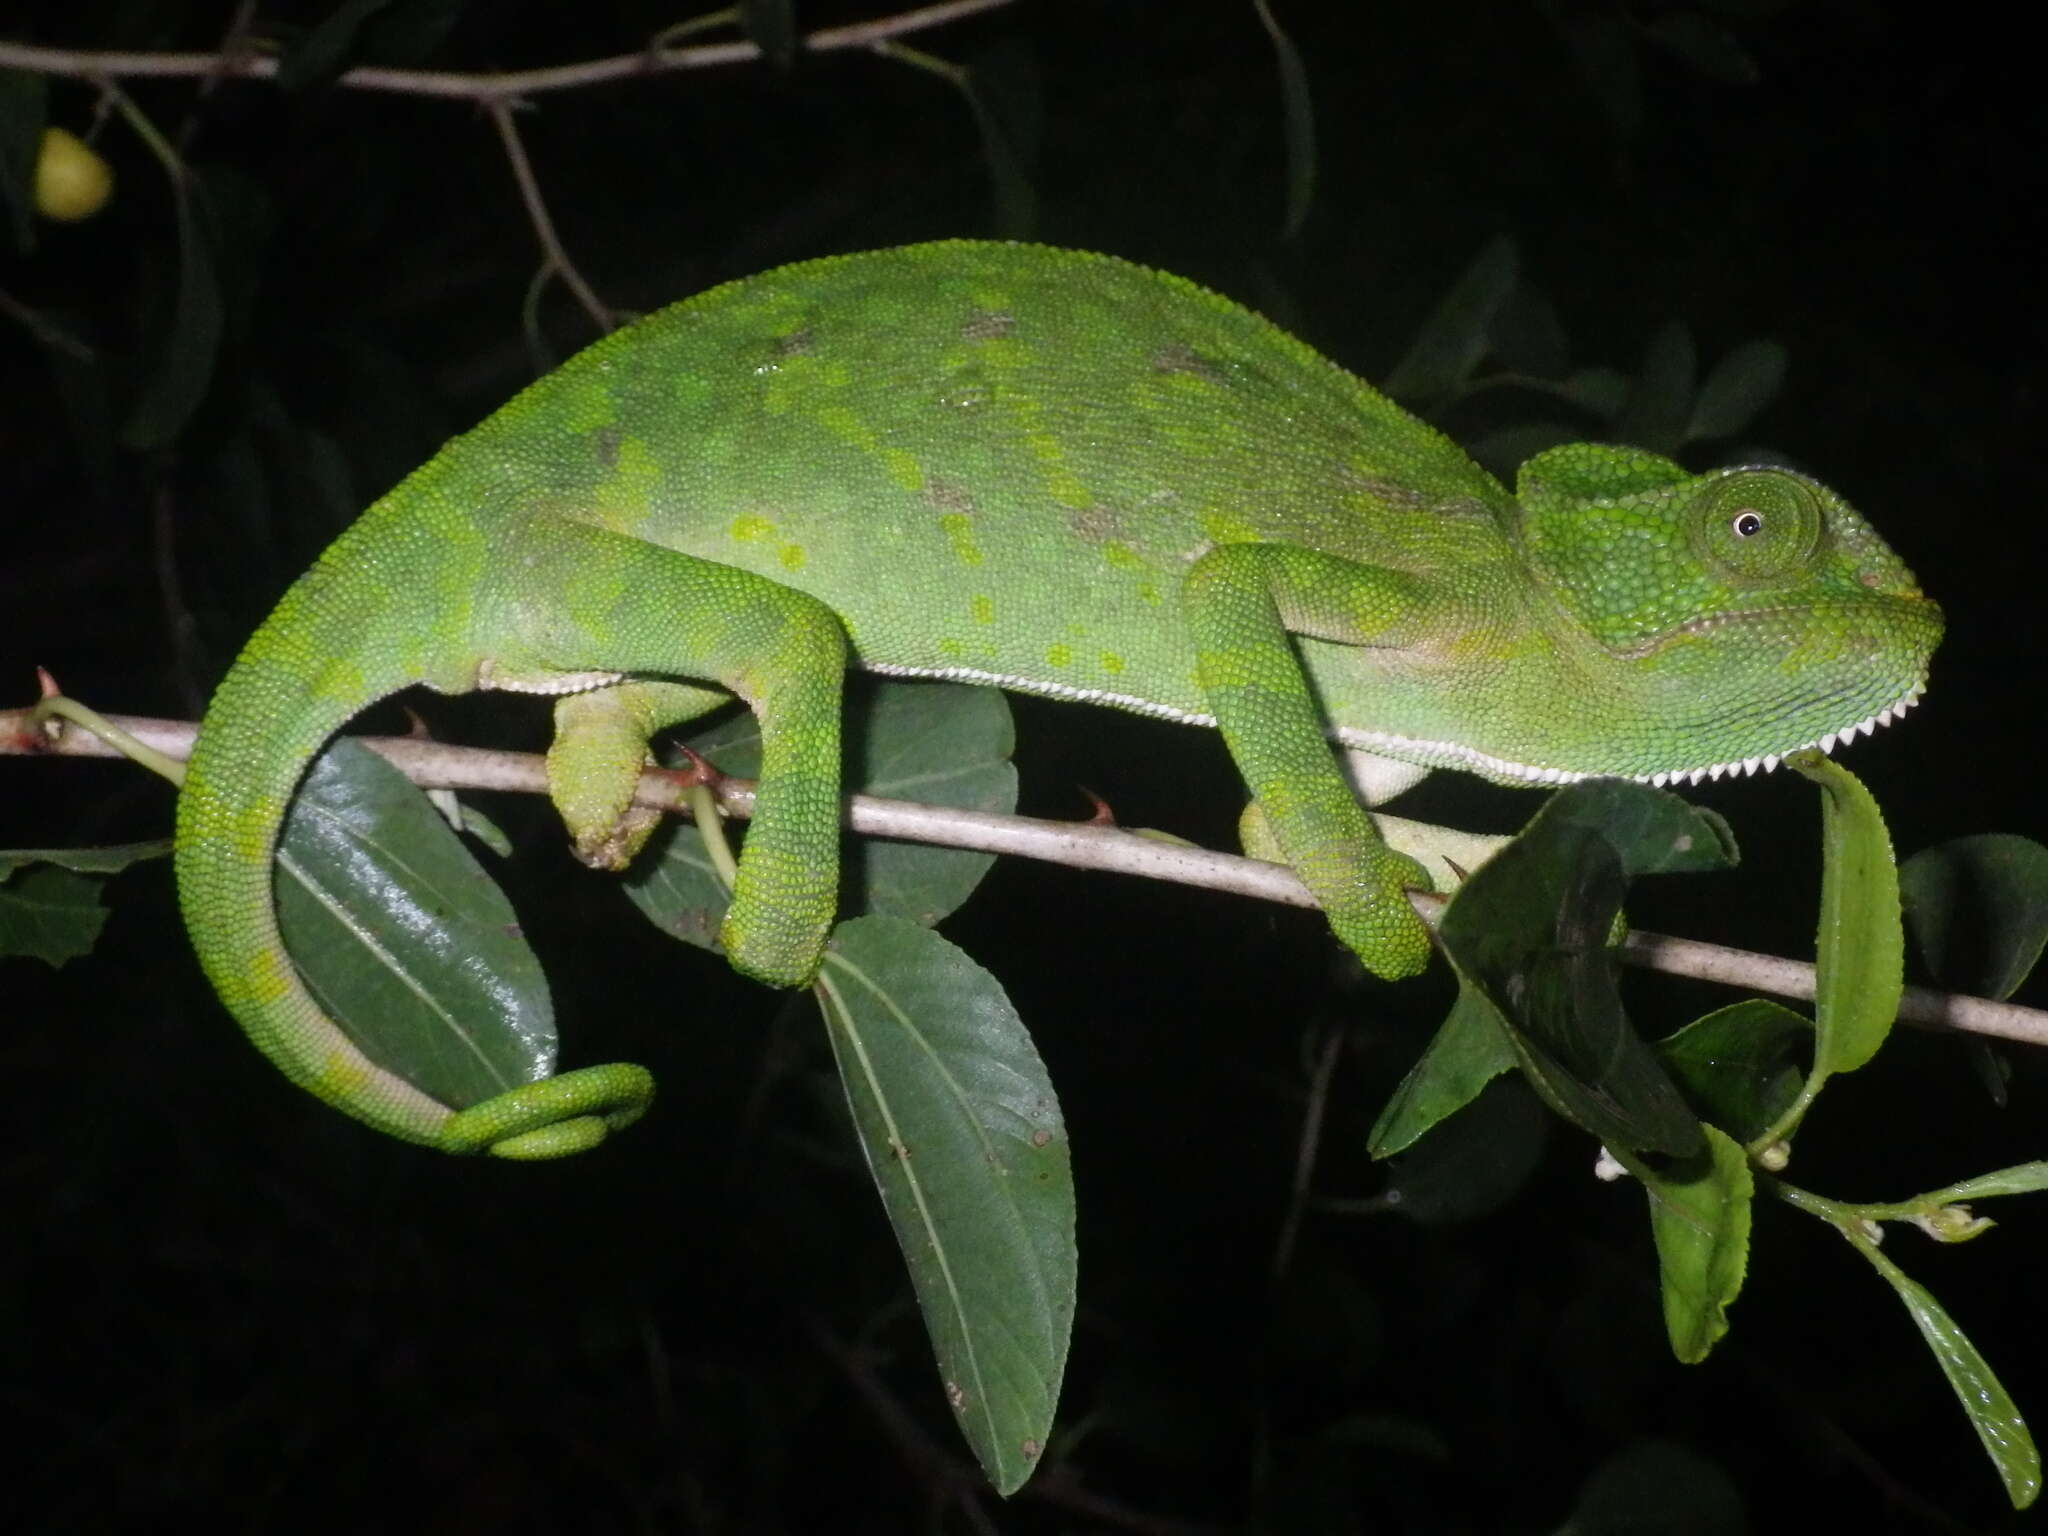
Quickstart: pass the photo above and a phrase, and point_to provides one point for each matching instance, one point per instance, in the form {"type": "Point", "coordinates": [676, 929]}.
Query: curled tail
{"type": "Point", "coordinates": [383, 609]}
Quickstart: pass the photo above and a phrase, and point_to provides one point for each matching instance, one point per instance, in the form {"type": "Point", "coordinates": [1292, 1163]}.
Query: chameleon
{"type": "Point", "coordinates": [1041, 470]}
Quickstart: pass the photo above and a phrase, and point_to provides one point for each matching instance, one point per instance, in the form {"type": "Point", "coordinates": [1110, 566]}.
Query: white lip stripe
{"type": "Point", "coordinates": [1440, 754]}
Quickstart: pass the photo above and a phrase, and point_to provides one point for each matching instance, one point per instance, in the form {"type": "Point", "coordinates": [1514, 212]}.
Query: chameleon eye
{"type": "Point", "coordinates": [1755, 526]}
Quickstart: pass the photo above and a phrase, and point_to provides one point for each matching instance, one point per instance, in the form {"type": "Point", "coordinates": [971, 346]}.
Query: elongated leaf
{"type": "Point", "coordinates": [180, 360]}
{"type": "Point", "coordinates": [405, 939]}
{"type": "Point", "coordinates": [1699, 1215]}
{"type": "Point", "coordinates": [1859, 963]}
{"type": "Point", "coordinates": [1453, 339]}
{"type": "Point", "coordinates": [107, 859]}
{"type": "Point", "coordinates": [53, 915]}
{"type": "Point", "coordinates": [1737, 389]}
{"type": "Point", "coordinates": [1991, 1410]}
{"type": "Point", "coordinates": [965, 1141]}
{"type": "Point", "coordinates": [1298, 119]}
{"type": "Point", "coordinates": [2020, 1179]}
{"type": "Point", "coordinates": [1468, 1051]}
{"type": "Point", "coordinates": [1473, 1162]}
{"type": "Point", "coordinates": [1978, 909]}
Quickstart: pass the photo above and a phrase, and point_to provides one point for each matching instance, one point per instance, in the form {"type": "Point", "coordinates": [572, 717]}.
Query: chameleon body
{"type": "Point", "coordinates": [1046, 471]}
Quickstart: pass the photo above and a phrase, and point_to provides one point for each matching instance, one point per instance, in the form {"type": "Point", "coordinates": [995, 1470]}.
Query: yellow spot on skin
{"type": "Point", "coordinates": [1122, 556]}
{"type": "Point", "coordinates": [983, 607]}
{"type": "Point", "coordinates": [1059, 655]}
{"type": "Point", "coordinates": [1221, 528]}
{"type": "Point", "coordinates": [1148, 593]}
{"type": "Point", "coordinates": [791, 556]}
{"type": "Point", "coordinates": [904, 468]}
{"type": "Point", "coordinates": [270, 976]}
{"type": "Point", "coordinates": [1111, 662]}
{"type": "Point", "coordinates": [748, 527]}
{"type": "Point", "coordinates": [340, 680]}
{"type": "Point", "coordinates": [959, 531]}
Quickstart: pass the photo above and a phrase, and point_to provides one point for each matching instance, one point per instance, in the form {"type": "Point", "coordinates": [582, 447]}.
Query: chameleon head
{"type": "Point", "coordinates": [1737, 615]}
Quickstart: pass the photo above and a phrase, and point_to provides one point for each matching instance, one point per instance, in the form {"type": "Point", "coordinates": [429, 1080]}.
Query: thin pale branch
{"type": "Point", "coordinates": [436, 765]}
{"type": "Point", "coordinates": [95, 65]}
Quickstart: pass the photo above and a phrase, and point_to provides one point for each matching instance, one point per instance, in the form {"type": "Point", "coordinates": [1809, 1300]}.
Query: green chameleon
{"type": "Point", "coordinates": [1042, 470]}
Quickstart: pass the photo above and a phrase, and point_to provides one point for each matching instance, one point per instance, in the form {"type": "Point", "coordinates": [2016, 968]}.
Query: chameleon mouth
{"type": "Point", "coordinates": [1438, 754]}
{"type": "Point", "coordinates": [1865, 727]}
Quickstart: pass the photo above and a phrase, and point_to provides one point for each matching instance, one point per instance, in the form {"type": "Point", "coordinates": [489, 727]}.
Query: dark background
{"type": "Point", "coordinates": [227, 1303]}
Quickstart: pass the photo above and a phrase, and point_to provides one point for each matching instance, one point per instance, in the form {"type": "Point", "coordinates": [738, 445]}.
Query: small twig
{"type": "Point", "coordinates": [94, 65]}
{"type": "Point", "coordinates": [1076, 845]}
{"type": "Point", "coordinates": [556, 258]}
{"type": "Point", "coordinates": [1306, 1148]}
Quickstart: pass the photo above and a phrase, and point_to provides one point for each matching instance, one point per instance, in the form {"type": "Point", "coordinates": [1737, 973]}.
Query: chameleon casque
{"type": "Point", "coordinates": [1047, 471]}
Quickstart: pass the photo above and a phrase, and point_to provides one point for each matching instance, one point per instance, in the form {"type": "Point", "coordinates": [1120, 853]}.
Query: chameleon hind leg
{"type": "Point", "coordinates": [599, 750]}
{"type": "Point", "coordinates": [582, 601]}
{"type": "Point", "coordinates": [1242, 602]}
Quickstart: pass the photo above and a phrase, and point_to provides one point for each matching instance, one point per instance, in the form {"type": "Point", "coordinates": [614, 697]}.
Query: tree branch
{"type": "Point", "coordinates": [240, 63]}
{"type": "Point", "coordinates": [1077, 845]}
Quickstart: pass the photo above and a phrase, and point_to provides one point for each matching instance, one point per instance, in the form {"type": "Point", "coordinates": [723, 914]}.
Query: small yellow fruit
{"type": "Point", "coordinates": [72, 182]}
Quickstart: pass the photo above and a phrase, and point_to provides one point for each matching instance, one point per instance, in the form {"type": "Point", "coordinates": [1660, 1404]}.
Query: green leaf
{"type": "Point", "coordinates": [1699, 1216]}
{"type": "Point", "coordinates": [1468, 1050]}
{"type": "Point", "coordinates": [1003, 92]}
{"type": "Point", "coordinates": [1298, 122]}
{"type": "Point", "coordinates": [1603, 391]}
{"type": "Point", "coordinates": [109, 859]}
{"type": "Point", "coordinates": [1741, 1066]}
{"type": "Point", "coordinates": [940, 743]}
{"type": "Point", "coordinates": [1661, 402]}
{"type": "Point", "coordinates": [23, 98]}
{"type": "Point", "coordinates": [180, 358]}
{"type": "Point", "coordinates": [1859, 967]}
{"type": "Point", "coordinates": [1991, 1410]}
{"type": "Point", "coordinates": [964, 1137]}
{"type": "Point", "coordinates": [405, 939]}
{"type": "Point", "coordinates": [1526, 336]}
{"type": "Point", "coordinates": [1453, 340]}
{"type": "Point", "coordinates": [1978, 908]}
{"type": "Point", "coordinates": [1529, 931]}
{"type": "Point", "coordinates": [1740, 386]}
{"type": "Point", "coordinates": [50, 914]}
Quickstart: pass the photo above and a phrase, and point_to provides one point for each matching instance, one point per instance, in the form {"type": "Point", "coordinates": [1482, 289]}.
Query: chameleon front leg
{"type": "Point", "coordinates": [1241, 602]}
{"type": "Point", "coordinates": [579, 600]}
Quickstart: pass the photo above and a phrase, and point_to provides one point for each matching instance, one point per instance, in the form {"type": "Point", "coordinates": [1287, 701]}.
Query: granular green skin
{"type": "Point", "coordinates": [1047, 471]}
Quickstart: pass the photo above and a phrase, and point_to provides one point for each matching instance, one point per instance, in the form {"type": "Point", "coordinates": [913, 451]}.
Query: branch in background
{"type": "Point", "coordinates": [239, 63]}
{"type": "Point", "coordinates": [1077, 845]}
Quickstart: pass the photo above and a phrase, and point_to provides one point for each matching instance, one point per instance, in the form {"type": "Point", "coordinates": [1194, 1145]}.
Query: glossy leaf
{"type": "Point", "coordinates": [1991, 1410]}
{"type": "Point", "coordinates": [1699, 1216]}
{"type": "Point", "coordinates": [107, 859]}
{"type": "Point", "coordinates": [964, 1137]}
{"type": "Point", "coordinates": [405, 939]}
{"type": "Point", "coordinates": [1660, 403]}
{"type": "Point", "coordinates": [1859, 967]}
{"type": "Point", "coordinates": [1978, 910]}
